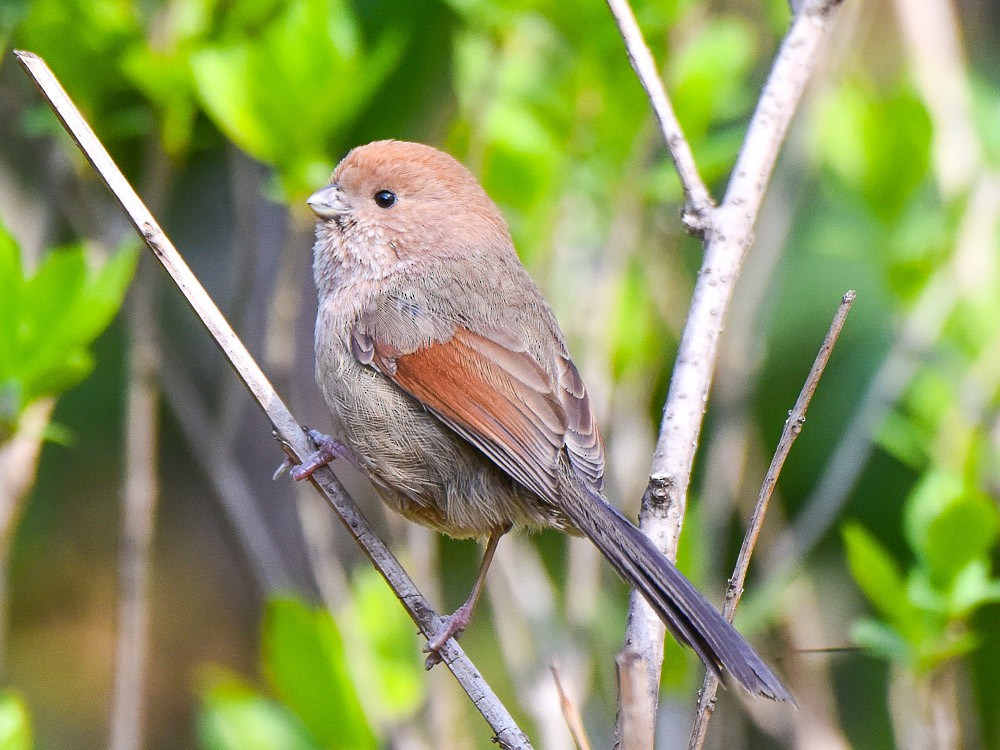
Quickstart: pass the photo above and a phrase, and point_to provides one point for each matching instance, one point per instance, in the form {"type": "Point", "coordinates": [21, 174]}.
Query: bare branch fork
{"type": "Point", "coordinates": [286, 428]}
{"type": "Point", "coordinates": [727, 234]}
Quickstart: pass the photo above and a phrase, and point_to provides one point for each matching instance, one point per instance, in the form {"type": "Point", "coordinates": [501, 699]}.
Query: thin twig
{"type": "Point", "coordinates": [793, 426]}
{"type": "Point", "coordinates": [699, 200]}
{"type": "Point", "coordinates": [731, 444]}
{"type": "Point", "coordinates": [932, 36]}
{"type": "Point", "coordinates": [18, 463]}
{"type": "Point", "coordinates": [287, 430]}
{"type": "Point", "coordinates": [139, 498]}
{"type": "Point", "coordinates": [570, 712]}
{"type": "Point", "coordinates": [919, 333]}
{"type": "Point", "coordinates": [727, 239]}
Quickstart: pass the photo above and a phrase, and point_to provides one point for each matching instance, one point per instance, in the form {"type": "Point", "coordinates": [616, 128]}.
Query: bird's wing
{"type": "Point", "coordinates": [493, 392]}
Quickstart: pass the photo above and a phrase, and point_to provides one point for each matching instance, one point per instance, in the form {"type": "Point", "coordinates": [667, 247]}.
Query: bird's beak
{"type": "Point", "coordinates": [327, 202]}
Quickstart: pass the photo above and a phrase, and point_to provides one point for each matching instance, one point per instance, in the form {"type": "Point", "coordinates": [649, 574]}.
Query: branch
{"type": "Point", "coordinates": [728, 235]}
{"type": "Point", "coordinates": [699, 200]}
{"type": "Point", "coordinates": [635, 722]}
{"type": "Point", "coordinates": [793, 426]}
{"type": "Point", "coordinates": [140, 491]}
{"type": "Point", "coordinates": [286, 429]}
{"type": "Point", "coordinates": [18, 463]}
{"type": "Point", "coordinates": [574, 722]}
{"type": "Point", "coordinates": [933, 41]}
{"type": "Point", "coordinates": [918, 334]}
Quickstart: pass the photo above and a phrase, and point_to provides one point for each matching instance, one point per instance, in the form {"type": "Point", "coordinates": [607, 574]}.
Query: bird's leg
{"type": "Point", "coordinates": [327, 449]}
{"type": "Point", "coordinates": [459, 620]}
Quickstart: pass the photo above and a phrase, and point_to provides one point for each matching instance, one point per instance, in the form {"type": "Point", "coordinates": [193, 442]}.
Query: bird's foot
{"type": "Point", "coordinates": [453, 627]}
{"type": "Point", "coordinates": [327, 449]}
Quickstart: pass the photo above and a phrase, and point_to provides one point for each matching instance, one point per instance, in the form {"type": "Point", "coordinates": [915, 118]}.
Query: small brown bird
{"type": "Point", "coordinates": [454, 389]}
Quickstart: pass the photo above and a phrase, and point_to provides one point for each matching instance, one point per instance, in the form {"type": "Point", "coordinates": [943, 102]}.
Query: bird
{"type": "Point", "coordinates": [455, 392]}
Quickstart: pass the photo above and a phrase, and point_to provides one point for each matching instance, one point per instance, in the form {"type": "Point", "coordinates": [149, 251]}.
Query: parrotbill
{"type": "Point", "coordinates": [454, 388]}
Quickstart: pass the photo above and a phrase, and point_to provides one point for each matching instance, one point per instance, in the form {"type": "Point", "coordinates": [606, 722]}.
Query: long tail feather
{"type": "Point", "coordinates": [684, 610]}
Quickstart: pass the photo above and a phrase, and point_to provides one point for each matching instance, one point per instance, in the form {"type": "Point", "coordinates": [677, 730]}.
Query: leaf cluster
{"type": "Point", "coordinates": [323, 694]}
{"type": "Point", "coordinates": [282, 79]}
{"type": "Point", "coordinates": [49, 319]}
{"type": "Point", "coordinates": [952, 530]}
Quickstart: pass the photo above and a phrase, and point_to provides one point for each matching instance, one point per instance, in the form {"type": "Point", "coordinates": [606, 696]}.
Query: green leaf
{"type": "Point", "coordinates": [949, 526]}
{"type": "Point", "coordinates": [15, 724]}
{"type": "Point", "coordinates": [710, 75]}
{"type": "Point", "coordinates": [234, 717]}
{"type": "Point", "coordinates": [878, 143]}
{"type": "Point", "coordinates": [221, 76]}
{"type": "Point", "coordinates": [962, 533]}
{"type": "Point", "coordinates": [11, 294]}
{"type": "Point", "coordinates": [927, 597]}
{"type": "Point", "coordinates": [881, 640]}
{"type": "Point", "coordinates": [58, 377]}
{"type": "Point", "coordinates": [972, 588]}
{"type": "Point", "coordinates": [947, 646]}
{"type": "Point", "coordinates": [104, 294]}
{"type": "Point", "coordinates": [877, 575]}
{"type": "Point", "coordinates": [286, 93]}
{"type": "Point", "coordinates": [904, 440]}
{"type": "Point", "coordinates": [897, 139]}
{"type": "Point", "coordinates": [972, 325]}
{"type": "Point", "coordinates": [59, 434]}
{"type": "Point", "coordinates": [928, 499]}
{"type": "Point", "coordinates": [50, 297]}
{"type": "Point", "coordinates": [395, 676]}
{"type": "Point", "coordinates": [305, 663]}
{"type": "Point", "coordinates": [65, 306]}
{"type": "Point", "coordinates": [43, 353]}
{"type": "Point", "coordinates": [930, 397]}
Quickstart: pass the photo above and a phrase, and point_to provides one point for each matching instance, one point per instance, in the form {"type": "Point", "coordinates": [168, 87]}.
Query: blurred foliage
{"type": "Point", "coordinates": [952, 530]}
{"type": "Point", "coordinates": [305, 665]}
{"type": "Point", "coordinates": [317, 700]}
{"type": "Point", "coordinates": [382, 658]}
{"type": "Point", "coordinates": [282, 94]}
{"type": "Point", "coordinates": [884, 165]}
{"type": "Point", "coordinates": [15, 724]}
{"type": "Point", "coordinates": [91, 67]}
{"type": "Point", "coordinates": [234, 717]}
{"type": "Point", "coordinates": [49, 319]}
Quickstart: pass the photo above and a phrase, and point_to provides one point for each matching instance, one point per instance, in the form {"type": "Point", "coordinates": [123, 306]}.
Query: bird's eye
{"type": "Point", "coordinates": [385, 198]}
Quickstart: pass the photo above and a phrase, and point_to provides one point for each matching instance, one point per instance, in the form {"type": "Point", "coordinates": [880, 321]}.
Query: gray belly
{"type": "Point", "coordinates": [419, 466]}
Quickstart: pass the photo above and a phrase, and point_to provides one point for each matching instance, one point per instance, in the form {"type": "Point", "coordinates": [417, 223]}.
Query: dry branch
{"type": "Point", "coordinates": [727, 232]}
{"type": "Point", "coordinates": [699, 200]}
{"type": "Point", "coordinates": [286, 428]}
{"type": "Point", "coordinates": [140, 492]}
{"type": "Point", "coordinates": [793, 426]}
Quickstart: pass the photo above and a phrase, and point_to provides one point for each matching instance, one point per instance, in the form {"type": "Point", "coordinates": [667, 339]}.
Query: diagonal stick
{"type": "Point", "coordinates": [286, 428]}
{"type": "Point", "coordinates": [699, 200]}
{"type": "Point", "coordinates": [793, 426]}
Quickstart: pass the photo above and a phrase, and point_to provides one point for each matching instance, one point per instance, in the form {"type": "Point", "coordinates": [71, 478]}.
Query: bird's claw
{"type": "Point", "coordinates": [327, 449]}
{"type": "Point", "coordinates": [453, 627]}
{"type": "Point", "coordinates": [285, 466]}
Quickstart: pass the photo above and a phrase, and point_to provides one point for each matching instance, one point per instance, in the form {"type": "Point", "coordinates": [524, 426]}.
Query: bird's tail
{"type": "Point", "coordinates": [684, 610]}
